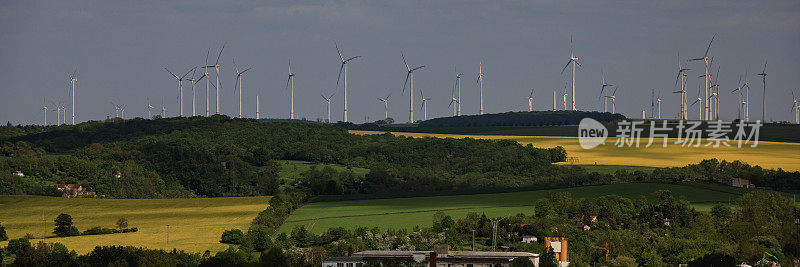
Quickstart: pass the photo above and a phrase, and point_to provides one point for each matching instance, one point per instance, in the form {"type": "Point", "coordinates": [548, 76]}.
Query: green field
{"type": "Point", "coordinates": [409, 212]}
{"type": "Point", "coordinates": [195, 224]}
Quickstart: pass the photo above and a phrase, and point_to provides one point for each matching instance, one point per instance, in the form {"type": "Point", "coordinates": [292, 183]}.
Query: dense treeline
{"type": "Point", "coordinates": [664, 231]}
{"type": "Point", "coordinates": [219, 156]}
{"type": "Point", "coordinates": [525, 118]}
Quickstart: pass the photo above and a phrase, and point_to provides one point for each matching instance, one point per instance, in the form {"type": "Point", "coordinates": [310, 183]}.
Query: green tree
{"type": "Point", "coordinates": [274, 257]}
{"type": "Point", "coordinates": [233, 236]}
{"type": "Point", "coordinates": [64, 226]}
{"type": "Point", "coordinates": [122, 223]}
{"type": "Point", "coordinates": [301, 237]}
{"type": "Point", "coordinates": [3, 235]}
{"type": "Point", "coordinates": [548, 258]}
{"type": "Point", "coordinates": [624, 261]}
{"type": "Point", "coordinates": [522, 262]}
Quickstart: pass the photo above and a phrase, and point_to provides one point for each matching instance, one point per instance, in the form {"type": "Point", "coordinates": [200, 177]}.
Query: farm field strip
{"type": "Point", "coordinates": [768, 154]}
{"type": "Point", "coordinates": [195, 224]}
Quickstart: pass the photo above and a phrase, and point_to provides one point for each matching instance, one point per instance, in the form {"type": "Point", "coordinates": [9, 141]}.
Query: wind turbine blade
{"type": "Point", "coordinates": [709, 44]}
{"type": "Point", "coordinates": [245, 70]}
{"type": "Point", "coordinates": [339, 52]}
{"type": "Point", "coordinates": [404, 61]}
{"type": "Point", "coordinates": [405, 83]}
{"type": "Point", "coordinates": [418, 68]}
{"type": "Point", "coordinates": [579, 64]}
{"type": "Point", "coordinates": [187, 73]}
{"type": "Point", "coordinates": [173, 74]}
{"type": "Point", "coordinates": [198, 80]}
{"type": "Point", "coordinates": [220, 53]}
{"type": "Point", "coordinates": [353, 58]}
{"type": "Point", "coordinates": [565, 66]}
{"type": "Point", "coordinates": [340, 74]}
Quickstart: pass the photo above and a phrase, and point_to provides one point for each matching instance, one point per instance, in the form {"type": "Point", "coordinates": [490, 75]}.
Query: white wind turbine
{"type": "Point", "coordinates": [480, 81]}
{"type": "Point", "coordinates": [410, 76]}
{"type": "Point", "coordinates": [163, 109]}
{"type": "Point", "coordinates": [658, 101]}
{"type": "Point", "coordinates": [149, 109]}
{"type": "Point", "coordinates": [613, 98]}
{"type": "Point", "coordinates": [574, 60]}
{"type": "Point", "coordinates": [699, 100]}
{"type": "Point", "coordinates": [73, 78]}
{"type": "Point", "coordinates": [565, 97]}
{"type": "Point", "coordinates": [424, 105]}
{"type": "Point", "coordinates": [705, 59]}
{"type": "Point", "coordinates": [194, 81]}
{"type": "Point", "coordinates": [258, 108]}
{"type": "Point", "coordinates": [343, 67]}
{"type": "Point", "coordinates": [218, 85]}
{"type": "Point", "coordinates": [603, 92]}
{"type": "Point", "coordinates": [796, 108]}
{"type": "Point", "coordinates": [453, 100]}
{"type": "Point", "coordinates": [458, 101]}
{"type": "Point", "coordinates": [554, 100]}
{"type": "Point", "coordinates": [530, 101]}
{"type": "Point", "coordinates": [289, 81]}
{"type": "Point", "coordinates": [385, 104]}
{"type": "Point", "coordinates": [58, 112]}
{"type": "Point", "coordinates": [180, 89]}
{"type": "Point", "coordinates": [239, 78]}
{"type": "Point", "coordinates": [682, 77]}
{"type": "Point", "coordinates": [328, 104]}
{"type": "Point", "coordinates": [44, 108]}
{"type": "Point", "coordinates": [205, 73]}
{"type": "Point", "coordinates": [763, 75]}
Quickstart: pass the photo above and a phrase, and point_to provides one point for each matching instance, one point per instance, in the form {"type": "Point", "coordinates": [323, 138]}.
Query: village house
{"type": "Point", "coordinates": [440, 256]}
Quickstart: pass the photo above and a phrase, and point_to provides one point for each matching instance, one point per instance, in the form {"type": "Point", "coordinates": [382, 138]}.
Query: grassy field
{"type": "Point", "coordinates": [409, 212]}
{"type": "Point", "coordinates": [767, 154]}
{"type": "Point", "coordinates": [195, 224]}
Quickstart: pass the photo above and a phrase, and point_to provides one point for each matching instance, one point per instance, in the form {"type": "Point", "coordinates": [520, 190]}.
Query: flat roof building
{"type": "Point", "coordinates": [431, 258]}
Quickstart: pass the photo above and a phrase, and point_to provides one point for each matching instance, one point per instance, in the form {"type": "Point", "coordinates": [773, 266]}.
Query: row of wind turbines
{"type": "Point", "coordinates": [708, 91]}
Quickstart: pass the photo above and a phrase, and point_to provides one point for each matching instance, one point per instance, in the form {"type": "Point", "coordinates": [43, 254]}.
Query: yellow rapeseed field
{"type": "Point", "coordinates": [195, 224]}
{"type": "Point", "coordinates": [767, 154]}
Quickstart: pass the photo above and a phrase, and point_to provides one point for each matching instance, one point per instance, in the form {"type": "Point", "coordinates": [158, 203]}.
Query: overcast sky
{"type": "Point", "coordinates": [120, 49]}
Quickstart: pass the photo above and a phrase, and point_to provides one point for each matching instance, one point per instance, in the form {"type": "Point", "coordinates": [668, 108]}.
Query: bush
{"type": "Point", "coordinates": [64, 226]}
{"type": "Point", "coordinates": [18, 246]}
{"type": "Point", "coordinates": [233, 236]}
{"type": "Point", "coordinates": [122, 223]}
{"type": "Point", "coordinates": [3, 235]}
{"type": "Point", "coordinates": [97, 230]}
{"type": "Point", "coordinates": [259, 240]}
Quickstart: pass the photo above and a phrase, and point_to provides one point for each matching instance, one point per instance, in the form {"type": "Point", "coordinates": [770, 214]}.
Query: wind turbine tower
{"type": "Point", "coordinates": [73, 78]}
{"type": "Point", "coordinates": [424, 105]}
{"type": "Point", "coordinates": [795, 106]}
{"type": "Point", "coordinates": [410, 76]}
{"type": "Point", "coordinates": [290, 81]}
{"type": "Point", "coordinates": [574, 61]}
{"type": "Point", "coordinates": [763, 75]}
{"type": "Point", "coordinates": [343, 67]}
{"type": "Point", "coordinates": [195, 81]}
{"type": "Point", "coordinates": [44, 108]}
{"type": "Point", "coordinates": [216, 67]}
{"type": "Point", "coordinates": [480, 81]}
{"type": "Point", "coordinates": [682, 76]}
{"type": "Point", "coordinates": [458, 84]}
{"type": "Point", "coordinates": [554, 100]}
{"type": "Point", "coordinates": [603, 91]}
{"type": "Point", "coordinates": [180, 89]}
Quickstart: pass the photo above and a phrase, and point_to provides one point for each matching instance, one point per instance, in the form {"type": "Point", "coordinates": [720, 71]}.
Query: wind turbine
{"type": "Point", "coordinates": [343, 67]}
{"type": "Point", "coordinates": [410, 76]}
{"type": "Point", "coordinates": [554, 100]}
{"type": "Point", "coordinates": [44, 108]}
{"type": "Point", "coordinates": [705, 60]}
{"type": "Point", "coordinates": [424, 105]}
{"type": "Point", "coordinates": [530, 101]}
{"type": "Point", "coordinates": [565, 97]}
{"type": "Point", "coordinates": [458, 102]}
{"type": "Point", "coordinates": [72, 79]}
{"type": "Point", "coordinates": [180, 89]}
{"type": "Point", "coordinates": [239, 78]}
{"type": "Point", "coordinates": [682, 77]}
{"type": "Point", "coordinates": [205, 73]}
{"type": "Point", "coordinates": [328, 102]}
{"type": "Point", "coordinates": [122, 111]}
{"type": "Point", "coordinates": [699, 99]}
{"type": "Point", "coordinates": [453, 99]}
{"type": "Point", "coordinates": [149, 109]}
{"type": "Point", "coordinates": [613, 98]}
{"type": "Point", "coordinates": [193, 82]}
{"type": "Point", "coordinates": [763, 75]}
{"type": "Point", "coordinates": [289, 81]}
{"type": "Point", "coordinates": [385, 104]}
{"type": "Point", "coordinates": [795, 106]}
{"type": "Point", "coordinates": [163, 109]}
{"type": "Point", "coordinates": [603, 91]}
{"type": "Point", "coordinates": [258, 108]}
{"type": "Point", "coordinates": [58, 110]}
{"type": "Point", "coordinates": [218, 85]}
{"type": "Point", "coordinates": [572, 59]}
{"type": "Point", "coordinates": [658, 101]}
{"type": "Point", "coordinates": [740, 100]}
{"type": "Point", "coordinates": [480, 81]}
